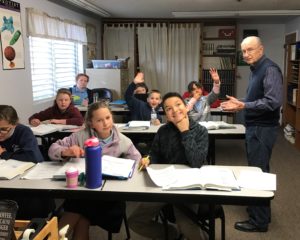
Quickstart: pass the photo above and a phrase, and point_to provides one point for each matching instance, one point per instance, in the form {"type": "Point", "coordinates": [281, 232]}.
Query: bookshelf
{"type": "Point", "coordinates": [292, 88]}
{"type": "Point", "coordinates": [218, 50]}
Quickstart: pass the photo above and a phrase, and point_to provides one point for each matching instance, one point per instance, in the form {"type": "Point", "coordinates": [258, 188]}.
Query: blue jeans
{"type": "Point", "coordinates": [259, 145]}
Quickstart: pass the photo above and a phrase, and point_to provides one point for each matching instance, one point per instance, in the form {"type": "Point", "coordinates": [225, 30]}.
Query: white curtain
{"type": "Point", "coordinates": [119, 41]}
{"type": "Point", "coordinates": [40, 24]}
{"type": "Point", "coordinates": [169, 55]}
{"type": "Point", "coordinates": [183, 55]}
{"type": "Point", "coordinates": [153, 57]}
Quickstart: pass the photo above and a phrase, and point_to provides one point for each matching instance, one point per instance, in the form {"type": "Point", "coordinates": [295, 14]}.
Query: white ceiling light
{"type": "Point", "coordinates": [89, 6]}
{"type": "Point", "coordinates": [206, 14]}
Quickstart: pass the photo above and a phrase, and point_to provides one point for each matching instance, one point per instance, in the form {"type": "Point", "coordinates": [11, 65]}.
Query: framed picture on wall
{"type": "Point", "coordinates": [11, 36]}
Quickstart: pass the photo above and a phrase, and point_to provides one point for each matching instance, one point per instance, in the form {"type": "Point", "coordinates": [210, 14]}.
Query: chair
{"type": "Point", "coordinates": [201, 218]}
{"type": "Point", "coordinates": [49, 231]}
{"type": "Point", "coordinates": [109, 236]}
{"type": "Point", "coordinates": [103, 94]}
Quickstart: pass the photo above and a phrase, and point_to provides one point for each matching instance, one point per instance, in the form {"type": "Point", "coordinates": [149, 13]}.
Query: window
{"type": "Point", "coordinates": [54, 64]}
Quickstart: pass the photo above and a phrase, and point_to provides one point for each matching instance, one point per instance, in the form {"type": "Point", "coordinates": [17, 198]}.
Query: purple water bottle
{"type": "Point", "coordinates": [93, 170]}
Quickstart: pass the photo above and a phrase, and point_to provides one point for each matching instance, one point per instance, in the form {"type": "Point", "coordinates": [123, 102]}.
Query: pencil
{"type": "Point", "coordinates": [142, 165]}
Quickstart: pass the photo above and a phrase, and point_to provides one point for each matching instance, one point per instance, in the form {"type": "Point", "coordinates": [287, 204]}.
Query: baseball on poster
{"type": "Point", "coordinates": [11, 35]}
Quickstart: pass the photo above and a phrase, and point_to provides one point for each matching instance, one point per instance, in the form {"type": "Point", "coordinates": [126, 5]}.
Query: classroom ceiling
{"type": "Point", "coordinates": [165, 8]}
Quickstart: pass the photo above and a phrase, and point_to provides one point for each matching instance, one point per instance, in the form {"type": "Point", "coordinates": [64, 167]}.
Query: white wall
{"type": "Point", "coordinates": [293, 26]}
{"type": "Point", "coordinates": [15, 85]}
{"type": "Point", "coordinates": [272, 36]}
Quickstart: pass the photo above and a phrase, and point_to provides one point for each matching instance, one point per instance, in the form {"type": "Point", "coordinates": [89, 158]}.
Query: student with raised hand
{"type": "Point", "coordinates": [199, 105]}
{"type": "Point", "coordinates": [18, 142]}
{"type": "Point", "coordinates": [80, 214]}
{"type": "Point", "coordinates": [62, 112]}
{"type": "Point", "coordinates": [180, 141]}
{"type": "Point", "coordinates": [141, 88]}
{"type": "Point", "coordinates": [140, 110]}
{"type": "Point", "coordinates": [81, 95]}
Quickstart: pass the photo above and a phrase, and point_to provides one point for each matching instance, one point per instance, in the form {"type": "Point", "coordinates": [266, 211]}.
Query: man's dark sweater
{"type": "Point", "coordinates": [264, 94]}
{"type": "Point", "coordinates": [170, 146]}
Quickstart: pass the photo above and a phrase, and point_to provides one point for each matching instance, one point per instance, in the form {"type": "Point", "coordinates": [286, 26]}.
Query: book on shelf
{"type": "Point", "coordinates": [206, 177]}
{"type": "Point", "coordinates": [11, 168]}
{"type": "Point", "coordinates": [112, 167]}
{"type": "Point", "coordinates": [293, 52]}
{"type": "Point", "coordinates": [214, 125]}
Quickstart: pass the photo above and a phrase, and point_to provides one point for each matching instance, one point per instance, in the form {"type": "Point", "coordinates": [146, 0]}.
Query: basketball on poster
{"type": "Point", "coordinates": [12, 45]}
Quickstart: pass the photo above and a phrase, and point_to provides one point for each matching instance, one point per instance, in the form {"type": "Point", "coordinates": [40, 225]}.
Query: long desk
{"type": "Point", "coordinates": [124, 111]}
{"type": "Point", "coordinates": [147, 135]}
{"type": "Point", "coordinates": [138, 188]}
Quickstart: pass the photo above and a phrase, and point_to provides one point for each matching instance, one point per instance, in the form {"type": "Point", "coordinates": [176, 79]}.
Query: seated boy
{"type": "Point", "coordinates": [180, 141]}
{"type": "Point", "coordinates": [140, 110]}
{"type": "Point", "coordinates": [199, 105]}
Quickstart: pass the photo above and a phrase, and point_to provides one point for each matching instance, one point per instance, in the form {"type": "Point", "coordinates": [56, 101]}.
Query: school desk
{"type": "Point", "coordinates": [139, 188]}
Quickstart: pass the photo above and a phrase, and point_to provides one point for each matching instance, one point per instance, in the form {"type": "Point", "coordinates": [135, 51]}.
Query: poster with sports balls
{"type": "Point", "coordinates": [11, 35]}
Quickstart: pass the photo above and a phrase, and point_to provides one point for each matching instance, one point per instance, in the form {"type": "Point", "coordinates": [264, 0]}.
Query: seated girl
{"type": "Point", "coordinates": [62, 111]}
{"type": "Point", "coordinates": [80, 214]}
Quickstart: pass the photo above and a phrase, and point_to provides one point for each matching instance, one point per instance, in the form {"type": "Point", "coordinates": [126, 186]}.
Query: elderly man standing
{"type": "Point", "coordinates": [262, 111]}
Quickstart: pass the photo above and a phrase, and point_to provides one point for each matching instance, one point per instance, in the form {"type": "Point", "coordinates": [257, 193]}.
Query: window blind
{"type": "Point", "coordinates": [54, 64]}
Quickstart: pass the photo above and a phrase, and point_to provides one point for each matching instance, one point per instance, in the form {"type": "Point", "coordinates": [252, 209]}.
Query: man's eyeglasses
{"type": "Point", "coordinates": [5, 130]}
{"type": "Point", "coordinates": [249, 50]}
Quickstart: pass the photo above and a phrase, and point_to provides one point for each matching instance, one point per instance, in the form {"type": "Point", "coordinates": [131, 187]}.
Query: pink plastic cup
{"type": "Point", "coordinates": [72, 177]}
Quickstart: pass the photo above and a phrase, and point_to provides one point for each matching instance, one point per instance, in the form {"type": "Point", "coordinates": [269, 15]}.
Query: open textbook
{"type": "Point", "coordinates": [11, 168]}
{"type": "Point", "coordinates": [212, 125]}
{"type": "Point", "coordinates": [206, 177]}
{"type": "Point", "coordinates": [112, 167]}
{"type": "Point", "coordinates": [43, 128]}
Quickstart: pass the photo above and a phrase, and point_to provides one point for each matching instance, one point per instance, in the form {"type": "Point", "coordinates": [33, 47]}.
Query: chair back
{"type": "Point", "coordinates": [103, 94]}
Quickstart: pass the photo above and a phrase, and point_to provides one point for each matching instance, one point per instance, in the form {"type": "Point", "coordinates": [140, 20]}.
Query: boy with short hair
{"type": "Point", "coordinates": [139, 109]}
{"type": "Point", "coordinates": [180, 141]}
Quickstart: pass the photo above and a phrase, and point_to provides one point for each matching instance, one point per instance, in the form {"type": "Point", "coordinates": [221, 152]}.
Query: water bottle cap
{"type": "Point", "coordinates": [91, 142]}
